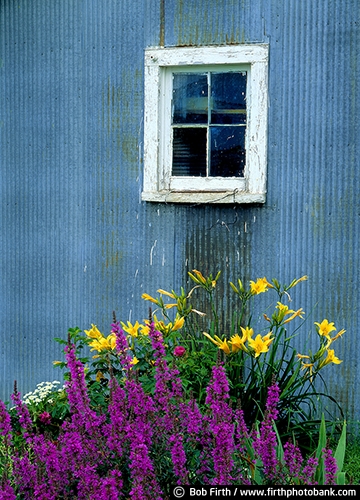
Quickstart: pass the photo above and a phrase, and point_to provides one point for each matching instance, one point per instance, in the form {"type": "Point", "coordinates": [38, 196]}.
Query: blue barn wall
{"type": "Point", "coordinates": [76, 240]}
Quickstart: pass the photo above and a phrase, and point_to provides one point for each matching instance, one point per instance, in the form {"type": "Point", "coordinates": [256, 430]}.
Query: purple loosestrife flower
{"type": "Point", "coordinates": [144, 484]}
{"type": "Point", "coordinates": [5, 421]}
{"type": "Point", "coordinates": [72, 453]}
{"type": "Point", "coordinates": [218, 394]}
{"type": "Point", "coordinates": [293, 459]}
{"type": "Point", "coordinates": [330, 466]}
{"type": "Point", "coordinates": [242, 433]}
{"type": "Point", "coordinates": [110, 486]}
{"type": "Point", "coordinates": [163, 379]}
{"type": "Point", "coordinates": [79, 401]}
{"type": "Point", "coordinates": [139, 434]}
{"type": "Point", "coordinates": [190, 417]}
{"type": "Point", "coordinates": [6, 491]}
{"type": "Point", "coordinates": [196, 428]}
{"type": "Point", "coordinates": [272, 402]}
{"type": "Point", "coordinates": [42, 492]}
{"type": "Point", "coordinates": [221, 425]}
{"type": "Point", "coordinates": [117, 409]}
{"type": "Point", "coordinates": [46, 453]}
{"type": "Point", "coordinates": [308, 472]}
{"type": "Point", "coordinates": [89, 482]}
{"type": "Point", "coordinates": [176, 384]}
{"type": "Point", "coordinates": [122, 346]}
{"type": "Point", "coordinates": [23, 413]}
{"type": "Point", "coordinates": [142, 408]}
{"type": "Point", "coordinates": [179, 458]}
{"type": "Point", "coordinates": [76, 387]}
{"type": "Point", "coordinates": [265, 443]}
{"type": "Point", "coordinates": [24, 474]}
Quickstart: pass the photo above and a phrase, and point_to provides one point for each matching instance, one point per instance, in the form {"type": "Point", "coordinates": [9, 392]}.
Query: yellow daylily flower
{"type": "Point", "coordinates": [146, 296]}
{"type": "Point", "coordinates": [341, 332]}
{"type": "Point", "coordinates": [178, 323]}
{"type": "Point", "coordinates": [283, 308]}
{"type": "Point", "coordinates": [324, 328]}
{"type": "Point", "coordinates": [221, 344]}
{"type": "Point", "coordinates": [145, 329]}
{"type": "Point", "coordinates": [260, 286]}
{"type": "Point", "coordinates": [260, 344]}
{"type": "Point", "coordinates": [164, 292]}
{"type": "Point", "coordinates": [295, 282]}
{"type": "Point", "coordinates": [238, 343]}
{"type": "Point", "coordinates": [93, 333]}
{"type": "Point", "coordinates": [309, 367]}
{"type": "Point", "coordinates": [330, 358]}
{"type": "Point", "coordinates": [296, 314]}
{"type": "Point", "coordinates": [267, 338]}
{"type": "Point", "coordinates": [302, 356]}
{"type": "Point", "coordinates": [161, 327]}
{"type": "Point", "coordinates": [104, 344]}
{"type": "Point", "coordinates": [247, 332]}
{"type": "Point", "coordinates": [111, 339]}
{"type": "Point", "coordinates": [131, 329]}
{"type": "Point", "coordinates": [199, 276]}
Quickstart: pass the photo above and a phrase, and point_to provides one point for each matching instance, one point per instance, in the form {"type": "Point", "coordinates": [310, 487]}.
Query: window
{"type": "Point", "coordinates": [205, 130]}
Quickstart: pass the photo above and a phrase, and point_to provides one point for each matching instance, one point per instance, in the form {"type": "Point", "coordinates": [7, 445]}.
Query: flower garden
{"type": "Point", "coordinates": [174, 401]}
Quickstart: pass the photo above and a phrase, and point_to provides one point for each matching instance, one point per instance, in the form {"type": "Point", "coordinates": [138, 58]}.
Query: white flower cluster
{"type": "Point", "coordinates": [42, 391]}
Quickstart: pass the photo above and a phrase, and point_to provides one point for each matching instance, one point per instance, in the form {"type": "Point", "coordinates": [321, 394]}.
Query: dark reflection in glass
{"type": "Point", "coordinates": [227, 151]}
{"type": "Point", "coordinates": [228, 98]}
{"type": "Point", "coordinates": [190, 98]}
{"type": "Point", "coordinates": [189, 151]}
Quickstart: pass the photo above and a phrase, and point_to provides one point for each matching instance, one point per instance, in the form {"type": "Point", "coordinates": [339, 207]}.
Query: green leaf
{"type": "Point", "coordinates": [340, 478]}
{"type": "Point", "coordinates": [340, 451]}
{"type": "Point", "coordinates": [320, 471]}
{"type": "Point", "coordinates": [279, 447]}
{"type": "Point", "coordinates": [60, 341]}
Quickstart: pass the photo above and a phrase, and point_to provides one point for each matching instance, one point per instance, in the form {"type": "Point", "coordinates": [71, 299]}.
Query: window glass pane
{"type": "Point", "coordinates": [190, 98]}
{"type": "Point", "coordinates": [227, 151]}
{"type": "Point", "coordinates": [228, 98]}
{"type": "Point", "coordinates": [189, 151]}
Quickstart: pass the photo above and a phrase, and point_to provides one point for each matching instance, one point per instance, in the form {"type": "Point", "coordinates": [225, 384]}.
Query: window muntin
{"type": "Point", "coordinates": [208, 124]}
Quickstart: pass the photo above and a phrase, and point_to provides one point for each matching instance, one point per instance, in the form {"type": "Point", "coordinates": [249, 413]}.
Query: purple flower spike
{"type": "Point", "coordinates": [266, 441]}
{"type": "Point", "coordinates": [330, 466]}
{"type": "Point", "coordinates": [122, 346]}
{"type": "Point", "coordinates": [221, 425]}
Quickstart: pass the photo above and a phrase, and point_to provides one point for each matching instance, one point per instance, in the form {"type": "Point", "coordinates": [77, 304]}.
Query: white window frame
{"type": "Point", "coordinates": [159, 184]}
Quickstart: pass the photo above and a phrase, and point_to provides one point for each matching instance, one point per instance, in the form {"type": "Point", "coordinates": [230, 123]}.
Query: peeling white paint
{"type": "Point", "coordinates": [151, 252]}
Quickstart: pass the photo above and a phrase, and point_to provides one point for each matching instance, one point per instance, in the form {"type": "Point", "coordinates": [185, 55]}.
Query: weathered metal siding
{"type": "Point", "coordinates": [76, 240]}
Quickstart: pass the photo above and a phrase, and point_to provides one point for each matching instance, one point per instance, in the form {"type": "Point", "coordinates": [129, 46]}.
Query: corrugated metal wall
{"type": "Point", "coordinates": [76, 240]}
